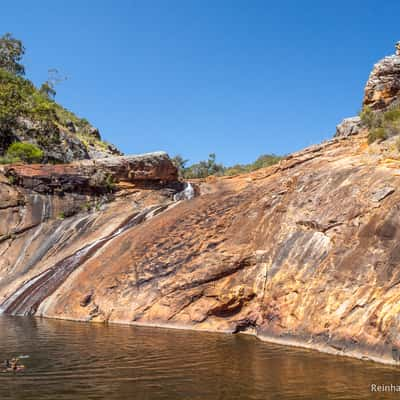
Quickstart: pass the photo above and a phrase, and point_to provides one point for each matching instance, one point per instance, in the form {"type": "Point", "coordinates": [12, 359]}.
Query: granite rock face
{"type": "Point", "coordinates": [303, 252]}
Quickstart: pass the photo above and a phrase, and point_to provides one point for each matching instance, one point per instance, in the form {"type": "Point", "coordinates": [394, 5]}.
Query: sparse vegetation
{"type": "Point", "coordinates": [110, 183]}
{"type": "Point", "coordinates": [210, 167]}
{"type": "Point", "coordinates": [381, 125]}
{"type": "Point", "coordinates": [377, 134]}
{"type": "Point", "coordinates": [87, 206]}
{"type": "Point", "coordinates": [368, 117]}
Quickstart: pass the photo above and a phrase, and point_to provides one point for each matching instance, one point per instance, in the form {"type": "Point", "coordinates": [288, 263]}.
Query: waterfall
{"type": "Point", "coordinates": [27, 298]}
{"type": "Point", "coordinates": [186, 194]}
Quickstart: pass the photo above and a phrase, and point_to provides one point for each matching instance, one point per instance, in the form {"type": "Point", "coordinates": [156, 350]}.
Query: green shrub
{"type": "Point", "coordinates": [376, 134]}
{"type": "Point", "coordinates": [26, 152]}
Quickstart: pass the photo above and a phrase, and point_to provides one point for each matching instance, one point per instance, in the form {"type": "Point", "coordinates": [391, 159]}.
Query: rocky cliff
{"type": "Point", "coordinates": [305, 252]}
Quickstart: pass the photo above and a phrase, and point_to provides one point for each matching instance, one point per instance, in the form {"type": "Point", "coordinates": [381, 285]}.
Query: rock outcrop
{"type": "Point", "coordinates": [93, 176]}
{"type": "Point", "coordinates": [383, 86]}
{"type": "Point", "coordinates": [381, 92]}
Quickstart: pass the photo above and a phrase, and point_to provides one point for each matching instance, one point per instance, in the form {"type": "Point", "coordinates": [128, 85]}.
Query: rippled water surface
{"type": "Point", "coordinates": [70, 360]}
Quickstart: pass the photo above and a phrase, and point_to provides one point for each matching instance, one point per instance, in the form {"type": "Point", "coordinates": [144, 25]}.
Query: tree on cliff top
{"type": "Point", "coordinates": [11, 52]}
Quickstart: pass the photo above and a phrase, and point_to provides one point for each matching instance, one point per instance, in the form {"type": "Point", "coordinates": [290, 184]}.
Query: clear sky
{"type": "Point", "coordinates": [239, 78]}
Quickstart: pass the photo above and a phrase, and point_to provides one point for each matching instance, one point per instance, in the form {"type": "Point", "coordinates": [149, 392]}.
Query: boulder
{"type": "Point", "coordinates": [349, 126]}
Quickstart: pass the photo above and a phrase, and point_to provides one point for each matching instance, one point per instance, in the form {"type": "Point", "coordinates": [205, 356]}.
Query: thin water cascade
{"type": "Point", "coordinates": [27, 298]}
{"type": "Point", "coordinates": [186, 194]}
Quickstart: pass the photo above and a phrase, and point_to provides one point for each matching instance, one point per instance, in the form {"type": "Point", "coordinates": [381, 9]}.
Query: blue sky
{"type": "Point", "coordinates": [239, 78]}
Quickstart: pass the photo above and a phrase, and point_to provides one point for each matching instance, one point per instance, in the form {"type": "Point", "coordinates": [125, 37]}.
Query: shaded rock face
{"type": "Point", "coordinates": [303, 252]}
{"type": "Point", "coordinates": [383, 86]}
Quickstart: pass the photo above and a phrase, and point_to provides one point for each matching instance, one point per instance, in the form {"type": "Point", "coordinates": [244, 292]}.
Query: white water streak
{"type": "Point", "coordinates": [186, 194]}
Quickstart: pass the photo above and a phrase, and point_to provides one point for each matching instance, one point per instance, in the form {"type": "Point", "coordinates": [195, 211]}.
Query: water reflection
{"type": "Point", "coordinates": [89, 361]}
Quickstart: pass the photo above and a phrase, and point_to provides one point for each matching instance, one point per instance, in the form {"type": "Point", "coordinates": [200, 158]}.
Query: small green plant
{"type": "Point", "coordinates": [61, 215]}
{"type": "Point", "coordinates": [87, 206]}
{"type": "Point", "coordinates": [110, 183]}
{"type": "Point", "coordinates": [11, 179]}
{"type": "Point", "coordinates": [26, 152]}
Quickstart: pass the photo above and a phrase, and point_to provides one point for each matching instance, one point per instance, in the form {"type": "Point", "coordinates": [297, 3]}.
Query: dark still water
{"type": "Point", "coordinates": [70, 360]}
